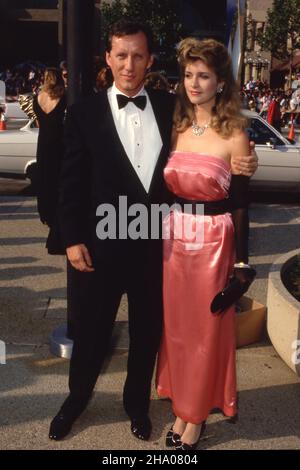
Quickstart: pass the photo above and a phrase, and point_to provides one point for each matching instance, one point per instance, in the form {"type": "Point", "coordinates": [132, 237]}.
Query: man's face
{"type": "Point", "coordinates": [65, 77]}
{"type": "Point", "coordinates": [129, 59]}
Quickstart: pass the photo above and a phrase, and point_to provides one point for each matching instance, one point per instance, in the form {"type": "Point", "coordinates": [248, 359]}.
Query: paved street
{"type": "Point", "coordinates": [34, 383]}
{"type": "Point", "coordinates": [14, 187]}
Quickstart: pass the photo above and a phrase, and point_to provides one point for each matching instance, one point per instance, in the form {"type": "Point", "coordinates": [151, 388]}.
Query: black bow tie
{"type": "Point", "coordinates": [139, 101]}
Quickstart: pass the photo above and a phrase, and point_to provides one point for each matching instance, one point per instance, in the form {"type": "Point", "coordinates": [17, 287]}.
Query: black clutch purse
{"type": "Point", "coordinates": [231, 293]}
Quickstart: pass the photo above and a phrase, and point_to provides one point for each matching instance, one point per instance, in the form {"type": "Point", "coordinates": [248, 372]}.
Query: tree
{"type": "Point", "coordinates": [282, 33]}
{"type": "Point", "coordinates": [160, 15]}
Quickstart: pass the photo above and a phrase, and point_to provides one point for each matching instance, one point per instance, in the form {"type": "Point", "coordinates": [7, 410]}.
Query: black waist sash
{"type": "Point", "coordinates": [210, 207]}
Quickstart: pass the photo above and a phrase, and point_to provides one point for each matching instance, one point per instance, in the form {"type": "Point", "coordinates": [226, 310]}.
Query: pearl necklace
{"type": "Point", "coordinates": [198, 130]}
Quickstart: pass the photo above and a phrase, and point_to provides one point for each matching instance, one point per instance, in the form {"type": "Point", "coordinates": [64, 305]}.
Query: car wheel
{"type": "Point", "coordinates": [31, 173]}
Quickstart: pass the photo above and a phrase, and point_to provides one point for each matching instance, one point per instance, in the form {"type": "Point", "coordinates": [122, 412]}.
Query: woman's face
{"type": "Point", "coordinates": [201, 83]}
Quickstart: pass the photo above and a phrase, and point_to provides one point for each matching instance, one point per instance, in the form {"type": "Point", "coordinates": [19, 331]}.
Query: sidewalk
{"type": "Point", "coordinates": [33, 383]}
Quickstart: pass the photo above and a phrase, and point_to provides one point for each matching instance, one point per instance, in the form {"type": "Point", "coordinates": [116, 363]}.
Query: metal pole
{"type": "Point", "coordinates": [74, 50]}
{"type": "Point", "coordinates": [80, 23]}
{"type": "Point", "coordinates": [87, 16]}
{"type": "Point", "coordinates": [80, 19]}
{"type": "Point", "coordinates": [61, 30]}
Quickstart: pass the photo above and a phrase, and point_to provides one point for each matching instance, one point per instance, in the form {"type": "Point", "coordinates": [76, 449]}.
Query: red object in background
{"type": "Point", "coordinates": [273, 112]}
{"type": "Point", "coordinates": [2, 125]}
{"type": "Point", "coordinates": [292, 129]}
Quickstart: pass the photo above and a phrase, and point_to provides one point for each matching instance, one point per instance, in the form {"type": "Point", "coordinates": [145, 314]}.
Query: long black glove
{"type": "Point", "coordinates": [239, 200]}
{"type": "Point", "coordinates": [242, 277]}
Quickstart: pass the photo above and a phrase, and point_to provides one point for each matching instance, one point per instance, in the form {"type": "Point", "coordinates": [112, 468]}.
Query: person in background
{"type": "Point", "coordinates": [64, 72]}
{"type": "Point", "coordinates": [266, 100]}
{"type": "Point", "coordinates": [274, 113]}
{"type": "Point", "coordinates": [50, 107]}
{"type": "Point", "coordinates": [104, 79]}
{"type": "Point", "coordinates": [156, 81]}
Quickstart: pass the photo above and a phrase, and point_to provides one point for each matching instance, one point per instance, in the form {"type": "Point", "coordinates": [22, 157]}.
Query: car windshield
{"type": "Point", "coordinates": [261, 133]}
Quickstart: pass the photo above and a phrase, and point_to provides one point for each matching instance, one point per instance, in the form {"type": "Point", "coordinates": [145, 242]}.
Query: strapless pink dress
{"type": "Point", "coordinates": [196, 363]}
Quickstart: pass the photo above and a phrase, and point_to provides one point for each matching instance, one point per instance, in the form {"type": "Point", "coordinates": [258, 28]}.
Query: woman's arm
{"type": "Point", "coordinates": [247, 165]}
{"type": "Point", "coordinates": [238, 194]}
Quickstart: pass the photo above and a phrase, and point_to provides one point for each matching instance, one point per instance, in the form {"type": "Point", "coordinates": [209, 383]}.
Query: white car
{"type": "Point", "coordinates": [278, 158]}
{"type": "Point", "coordinates": [13, 112]}
{"type": "Point", "coordinates": [12, 109]}
{"type": "Point", "coordinates": [18, 152]}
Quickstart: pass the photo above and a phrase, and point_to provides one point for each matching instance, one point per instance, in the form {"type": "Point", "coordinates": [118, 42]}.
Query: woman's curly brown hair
{"type": "Point", "coordinates": [53, 83]}
{"type": "Point", "coordinates": [226, 113]}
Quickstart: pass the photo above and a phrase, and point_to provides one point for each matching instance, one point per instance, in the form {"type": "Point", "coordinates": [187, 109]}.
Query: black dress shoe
{"type": "Point", "coordinates": [172, 438]}
{"type": "Point", "coordinates": [141, 428]}
{"type": "Point", "coordinates": [184, 446]}
{"type": "Point", "coordinates": [62, 423]}
{"type": "Point", "coordinates": [60, 426]}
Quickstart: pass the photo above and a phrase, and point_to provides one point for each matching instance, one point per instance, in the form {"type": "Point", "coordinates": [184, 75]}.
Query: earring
{"type": "Point", "coordinates": [220, 90]}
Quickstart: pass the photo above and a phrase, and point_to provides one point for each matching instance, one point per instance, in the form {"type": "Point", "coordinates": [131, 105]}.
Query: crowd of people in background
{"type": "Point", "coordinates": [274, 105]}
{"type": "Point", "coordinates": [278, 106]}
{"type": "Point", "coordinates": [22, 81]}
{"type": "Point", "coordinates": [26, 78]}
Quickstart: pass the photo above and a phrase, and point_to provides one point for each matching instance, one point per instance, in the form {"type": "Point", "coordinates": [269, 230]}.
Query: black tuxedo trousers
{"type": "Point", "coordinates": [136, 270]}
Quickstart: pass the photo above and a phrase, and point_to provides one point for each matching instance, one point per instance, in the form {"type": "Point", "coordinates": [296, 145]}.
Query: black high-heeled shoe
{"type": "Point", "coordinates": [184, 446]}
{"type": "Point", "coordinates": [172, 438]}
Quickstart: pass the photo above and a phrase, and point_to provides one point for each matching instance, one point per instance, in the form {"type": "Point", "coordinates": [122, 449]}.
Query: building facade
{"type": "Point", "coordinates": [35, 30]}
{"type": "Point", "coordinates": [257, 63]}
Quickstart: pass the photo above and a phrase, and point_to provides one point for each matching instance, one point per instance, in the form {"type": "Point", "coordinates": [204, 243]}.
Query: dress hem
{"type": "Point", "coordinates": [227, 411]}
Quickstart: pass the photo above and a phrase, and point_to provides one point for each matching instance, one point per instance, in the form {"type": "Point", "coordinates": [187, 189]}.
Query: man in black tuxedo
{"type": "Point", "coordinates": [117, 145]}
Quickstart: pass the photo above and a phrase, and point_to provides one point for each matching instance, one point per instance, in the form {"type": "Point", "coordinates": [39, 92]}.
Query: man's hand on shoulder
{"type": "Point", "coordinates": [246, 166]}
{"type": "Point", "coordinates": [80, 259]}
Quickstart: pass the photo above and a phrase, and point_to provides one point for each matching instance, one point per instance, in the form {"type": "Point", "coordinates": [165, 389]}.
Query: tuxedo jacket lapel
{"type": "Point", "coordinates": [159, 114]}
{"type": "Point", "coordinates": [163, 118]}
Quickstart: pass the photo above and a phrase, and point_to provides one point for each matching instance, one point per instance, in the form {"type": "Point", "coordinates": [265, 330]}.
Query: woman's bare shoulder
{"type": "Point", "coordinates": [42, 95]}
{"type": "Point", "coordinates": [239, 135]}
{"type": "Point", "coordinates": [239, 144]}
{"type": "Point", "coordinates": [240, 139]}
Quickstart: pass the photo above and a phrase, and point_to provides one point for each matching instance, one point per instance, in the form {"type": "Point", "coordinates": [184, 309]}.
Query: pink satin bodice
{"type": "Point", "coordinates": [197, 176]}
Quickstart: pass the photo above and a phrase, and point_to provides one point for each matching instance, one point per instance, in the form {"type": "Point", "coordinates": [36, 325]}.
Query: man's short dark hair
{"type": "Point", "coordinates": [63, 65]}
{"type": "Point", "coordinates": [126, 27]}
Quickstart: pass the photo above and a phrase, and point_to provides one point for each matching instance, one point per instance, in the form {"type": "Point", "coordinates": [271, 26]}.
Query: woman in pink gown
{"type": "Point", "coordinates": [196, 365]}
